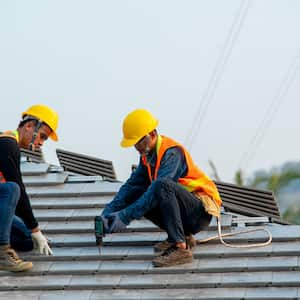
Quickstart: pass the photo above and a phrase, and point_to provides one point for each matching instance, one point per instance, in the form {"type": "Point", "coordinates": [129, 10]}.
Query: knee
{"type": "Point", "coordinates": [164, 191]}
{"type": "Point", "coordinates": [162, 185]}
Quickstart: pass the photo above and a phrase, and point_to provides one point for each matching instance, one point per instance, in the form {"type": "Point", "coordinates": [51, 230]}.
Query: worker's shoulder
{"type": "Point", "coordinates": [174, 151]}
{"type": "Point", "coordinates": [8, 143]}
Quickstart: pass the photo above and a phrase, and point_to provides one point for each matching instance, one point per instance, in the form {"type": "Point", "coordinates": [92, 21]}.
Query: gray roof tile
{"type": "Point", "coordinates": [122, 269]}
{"type": "Point", "coordinates": [28, 168]}
{"type": "Point", "coordinates": [272, 293]}
{"type": "Point", "coordinates": [45, 179]}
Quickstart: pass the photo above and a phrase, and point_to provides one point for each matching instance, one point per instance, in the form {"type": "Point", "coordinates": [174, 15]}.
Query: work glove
{"type": "Point", "coordinates": [40, 242]}
{"type": "Point", "coordinates": [116, 224]}
{"type": "Point", "coordinates": [105, 221]}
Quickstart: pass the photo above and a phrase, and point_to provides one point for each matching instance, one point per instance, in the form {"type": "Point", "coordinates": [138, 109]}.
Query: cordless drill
{"type": "Point", "coordinates": [99, 231]}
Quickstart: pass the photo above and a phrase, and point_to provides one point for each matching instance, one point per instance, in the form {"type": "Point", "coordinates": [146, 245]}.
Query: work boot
{"type": "Point", "coordinates": [10, 261]}
{"type": "Point", "coordinates": [190, 241]}
{"type": "Point", "coordinates": [164, 245]}
{"type": "Point", "coordinates": [173, 256]}
{"type": "Point", "coordinates": [161, 246]}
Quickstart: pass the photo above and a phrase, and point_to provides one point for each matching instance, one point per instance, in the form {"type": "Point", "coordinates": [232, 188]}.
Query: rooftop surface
{"type": "Point", "coordinates": [65, 206]}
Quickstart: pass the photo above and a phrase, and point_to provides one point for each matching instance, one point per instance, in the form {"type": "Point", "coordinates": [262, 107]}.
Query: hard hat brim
{"type": "Point", "coordinates": [126, 143]}
{"type": "Point", "coordinates": [53, 136]}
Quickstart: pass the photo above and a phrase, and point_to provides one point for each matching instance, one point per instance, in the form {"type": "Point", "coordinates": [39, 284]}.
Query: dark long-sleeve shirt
{"type": "Point", "coordinates": [172, 166]}
{"type": "Point", "coordinates": [10, 168]}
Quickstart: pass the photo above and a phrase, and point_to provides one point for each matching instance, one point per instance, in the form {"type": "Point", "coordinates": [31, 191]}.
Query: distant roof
{"type": "Point", "coordinates": [65, 206]}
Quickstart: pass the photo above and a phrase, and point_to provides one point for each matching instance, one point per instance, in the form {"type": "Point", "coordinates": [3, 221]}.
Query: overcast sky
{"type": "Point", "coordinates": [95, 61]}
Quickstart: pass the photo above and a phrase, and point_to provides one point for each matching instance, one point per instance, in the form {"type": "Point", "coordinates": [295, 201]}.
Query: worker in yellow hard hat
{"type": "Point", "coordinates": [19, 229]}
{"type": "Point", "coordinates": [167, 188]}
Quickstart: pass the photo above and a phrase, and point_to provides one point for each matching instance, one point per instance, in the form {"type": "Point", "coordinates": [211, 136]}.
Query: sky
{"type": "Point", "coordinates": [217, 75]}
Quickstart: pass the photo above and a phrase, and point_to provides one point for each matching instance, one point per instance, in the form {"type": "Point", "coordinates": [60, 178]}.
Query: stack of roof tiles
{"type": "Point", "coordinates": [66, 206]}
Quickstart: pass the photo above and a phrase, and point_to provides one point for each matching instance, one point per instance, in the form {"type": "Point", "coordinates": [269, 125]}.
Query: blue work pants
{"type": "Point", "coordinates": [177, 211]}
{"type": "Point", "coordinates": [13, 231]}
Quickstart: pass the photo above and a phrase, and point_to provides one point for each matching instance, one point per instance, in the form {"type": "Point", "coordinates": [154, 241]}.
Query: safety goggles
{"type": "Point", "coordinates": [141, 142]}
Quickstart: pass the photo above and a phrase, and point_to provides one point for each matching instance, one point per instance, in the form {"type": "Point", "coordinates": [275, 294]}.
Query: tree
{"type": "Point", "coordinates": [239, 177]}
{"type": "Point", "coordinates": [275, 181]}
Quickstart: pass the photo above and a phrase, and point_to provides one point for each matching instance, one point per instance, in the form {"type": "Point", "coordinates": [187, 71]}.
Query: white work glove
{"type": "Point", "coordinates": [41, 243]}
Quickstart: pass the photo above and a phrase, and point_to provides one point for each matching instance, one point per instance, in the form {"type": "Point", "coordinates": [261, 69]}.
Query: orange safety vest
{"type": "Point", "coordinates": [194, 181]}
{"type": "Point", "coordinates": [12, 134]}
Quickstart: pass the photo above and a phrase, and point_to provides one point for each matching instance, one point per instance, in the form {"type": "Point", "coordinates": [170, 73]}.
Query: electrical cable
{"type": "Point", "coordinates": [276, 102]}
{"type": "Point", "coordinates": [220, 236]}
{"type": "Point", "coordinates": [217, 73]}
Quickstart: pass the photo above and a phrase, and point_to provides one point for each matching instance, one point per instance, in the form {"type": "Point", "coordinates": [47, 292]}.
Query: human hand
{"type": "Point", "coordinates": [105, 222]}
{"type": "Point", "coordinates": [40, 242]}
{"type": "Point", "coordinates": [117, 225]}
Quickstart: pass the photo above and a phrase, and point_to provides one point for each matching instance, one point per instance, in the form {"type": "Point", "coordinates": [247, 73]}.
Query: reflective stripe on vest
{"type": "Point", "coordinates": [195, 179]}
{"type": "Point", "coordinates": [12, 134]}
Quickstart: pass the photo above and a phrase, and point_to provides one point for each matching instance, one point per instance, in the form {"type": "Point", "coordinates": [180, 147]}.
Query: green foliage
{"type": "Point", "coordinates": [239, 178]}
{"type": "Point", "coordinates": [292, 214]}
{"type": "Point", "coordinates": [275, 181]}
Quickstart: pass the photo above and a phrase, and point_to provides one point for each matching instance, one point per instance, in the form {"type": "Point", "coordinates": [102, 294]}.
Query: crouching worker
{"type": "Point", "coordinates": [19, 229]}
{"type": "Point", "coordinates": [167, 188]}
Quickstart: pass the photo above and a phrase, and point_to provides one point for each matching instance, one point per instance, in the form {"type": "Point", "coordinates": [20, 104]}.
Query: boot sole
{"type": "Point", "coordinates": [20, 268]}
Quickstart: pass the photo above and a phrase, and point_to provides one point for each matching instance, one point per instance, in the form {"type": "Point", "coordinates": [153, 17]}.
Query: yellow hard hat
{"type": "Point", "coordinates": [46, 115]}
{"type": "Point", "coordinates": [136, 125]}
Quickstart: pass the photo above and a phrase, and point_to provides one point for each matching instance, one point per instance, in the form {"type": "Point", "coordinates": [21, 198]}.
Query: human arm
{"type": "Point", "coordinates": [129, 191]}
{"type": "Point", "coordinates": [173, 166]}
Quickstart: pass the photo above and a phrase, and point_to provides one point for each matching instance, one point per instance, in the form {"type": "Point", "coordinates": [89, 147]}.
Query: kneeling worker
{"type": "Point", "coordinates": [167, 188]}
{"type": "Point", "coordinates": [19, 229]}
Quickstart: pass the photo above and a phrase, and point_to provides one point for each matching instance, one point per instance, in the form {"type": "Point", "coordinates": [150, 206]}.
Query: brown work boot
{"type": "Point", "coordinates": [9, 260]}
{"type": "Point", "coordinates": [190, 241]}
{"type": "Point", "coordinates": [173, 256]}
{"type": "Point", "coordinates": [164, 245]}
{"type": "Point", "coordinates": [161, 246]}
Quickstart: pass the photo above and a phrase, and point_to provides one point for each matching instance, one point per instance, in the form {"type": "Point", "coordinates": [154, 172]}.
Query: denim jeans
{"type": "Point", "coordinates": [9, 197]}
{"type": "Point", "coordinates": [20, 237]}
{"type": "Point", "coordinates": [176, 210]}
{"type": "Point", "coordinates": [13, 231]}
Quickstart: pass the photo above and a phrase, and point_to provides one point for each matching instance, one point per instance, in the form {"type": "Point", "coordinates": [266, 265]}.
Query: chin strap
{"type": "Point", "coordinates": [36, 129]}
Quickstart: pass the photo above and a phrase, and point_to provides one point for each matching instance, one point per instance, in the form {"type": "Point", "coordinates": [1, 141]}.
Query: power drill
{"type": "Point", "coordinates": [99, 231]}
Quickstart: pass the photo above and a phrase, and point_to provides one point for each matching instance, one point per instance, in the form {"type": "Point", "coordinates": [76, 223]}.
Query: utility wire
{"type": "Point", "coordinates": [217, 73]}
{"type": "Point", "coordinates": [263, 127]}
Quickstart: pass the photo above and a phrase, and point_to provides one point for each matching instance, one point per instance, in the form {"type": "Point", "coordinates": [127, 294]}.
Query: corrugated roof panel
{"type": "Point", "coordinates": [249, 201]}
{"type": "Point", "coordinates": [85, 165]}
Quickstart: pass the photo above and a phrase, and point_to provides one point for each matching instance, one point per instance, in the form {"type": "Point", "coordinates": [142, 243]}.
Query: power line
{"type": "Point", "coordinates": [217, 73]}
{"type": "Point", "coordinates": [262, 129]}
